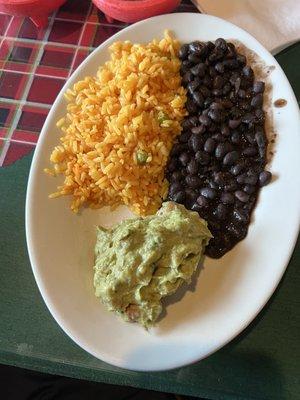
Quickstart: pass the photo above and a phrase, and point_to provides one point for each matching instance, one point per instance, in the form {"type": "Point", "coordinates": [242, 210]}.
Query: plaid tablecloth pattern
{"type": "Point", "coordinates": [35, 64]}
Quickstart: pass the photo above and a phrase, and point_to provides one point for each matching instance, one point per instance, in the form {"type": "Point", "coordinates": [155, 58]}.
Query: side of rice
{"type": "Point", "coordinates": [120, 127]}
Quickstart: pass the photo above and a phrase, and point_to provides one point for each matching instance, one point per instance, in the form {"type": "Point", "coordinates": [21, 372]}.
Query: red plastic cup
{"type": "Point", "coordinates": [36, 10]}
{"type": "Point", "coordinates": [134, 10]}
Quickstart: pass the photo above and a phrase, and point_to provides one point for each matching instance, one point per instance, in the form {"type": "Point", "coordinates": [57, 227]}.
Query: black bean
{"type": "Point", "coordinates": [220, 178]}
{"type": "Point", "coordinates": [190, 122]}
{"type": "Point", "coordinates": [215, 55]}
{"type": "Point", "coordinates": [192, 167]}
{"type": "Point", "coordinates": [217, 92]}
{"type": "Point", "coordinates": [219, 67]}
{"type": "Point", "coordinates": [179, 197]}
{"type": "Point", "coordinates": [216, 106]}
{"type": "Point", "coordinates": [184, 137]}
{"type": "Point", "coordinates": [237, 169]}
{"type": "Point", "coordinates": [242, 94]}
{"type": "Point", "coordinates": [231, 158]}
{"type": "Point", "coordinates": [202, 158]}
{"type": "Point", "coordinates": [248, 118]}
{"type": "Point", "coordinates": [222, 149]}
{"type": "Point", "coordinates": [196, 47]}
{"type": "Point", "coordinates": [172, 165]}
{"type": "Point", "coordinates": [260, 115]}
{"type": "Point", "coordinates": [227, 198]}
{"type": "Point", "coordinates": [249, 151]}
{"type": "Point", "coordinates": [212, 72]}
{"type": "Point", "coordinates": [205, 120]}
{"type": "Point", "coordinates": [187, 77]}
{"type": "Point", "coordinates": [248, 71]}
{"type": "Point", "coordinates": [213, 185]}
{"type": "Point", "coordinates": [234, 123]}
{"type": "Point", "coordinates": [241, 178]}
{"type": "Point", "coordinates": [260, 138]}
{"type": "Point", "coordinates": [198, 99]}
{"type": "Point", "coordinates": [241, 216]}
{"type": "Point", "coordinates": [250, 138]}
{"type": "Point", "coordinates": [183, 52]}
{"type": "Point", "coordinates": [221, 43]}
{"type": "Point", "coordinates": [198, 129]}
{"type": "Point", "coordinates": [193, 85]}
{"type": "Point", "coordinates": [215, 115]}
{"type": "Point", "coordinates": [251, 179]}
{"type": "Point", "coordinates": [257, 101]}
{"type": "Point", "coordinates": [191, 195]}
{"type": "Point", "coordinates": [231, 64]}
{"type": "Point", "coordinates": [196, 207]}
{"type": "Point", "coordinates": [199, 70]}
{"type": "Point", "coordinates": [218, 82]}
{"type": "Point", "coordinates": [207, 81]}
{"type": "Point", "coordinates": [230, 187]}
{"type": "Point", "coordinates": [235, 137]}
{"type": "Point", "coordinates": [225, 130]}
{"type": "Point", "coordinates": [174, 188]}
{"type": "Point", "coordinates": [241, 59]}
{"type": "Point", "coordinates": [209, 145]}
{"type": "Point", "coordinates": [176, 176]}
{"type": "Point", "coordinates": [264, 178]}
{"type": "Point", "coordinates": [208, 192]}
{"type": "Point", "coordinates": [193, 181]}
{"type": "Point", "coordinates": [191, 107]}
{"type": "Point", "coordinates": [226, 89]}
{"type": "Point", "coordinates": [184, 158]}
{"type": "Point", "coordinates": [221, 211]}
{"type": "Point", "coordinates": [178, 148]}
{"type": "Point", "coordinates": [194, 58]}
{"type": "Point", "coordinates": [202, 201]}
{"type": "Point", "coordinates": [205, 92]}
{"type": "Point", "coordinates": [249, 189]}
{"type": "Point", "coordinates": [241, 196]}
{"type": "Point", "coordinates": [195, 142]}
{"type": "Point", "coordinates": [258, 87]}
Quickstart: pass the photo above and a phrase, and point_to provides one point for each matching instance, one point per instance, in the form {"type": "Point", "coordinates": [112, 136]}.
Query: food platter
{"type": "Point", "coordinates": [227, 294]}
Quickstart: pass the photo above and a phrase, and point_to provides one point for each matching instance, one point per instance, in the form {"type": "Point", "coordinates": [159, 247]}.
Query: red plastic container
{"type": "Point", "coordinates": [134, 10]}
{"type": "Point", "coordinates": [37, 10]}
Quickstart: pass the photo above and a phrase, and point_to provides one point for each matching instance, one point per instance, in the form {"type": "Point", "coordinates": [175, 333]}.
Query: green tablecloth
{"type": "Point", "coordinates": [261, 363]}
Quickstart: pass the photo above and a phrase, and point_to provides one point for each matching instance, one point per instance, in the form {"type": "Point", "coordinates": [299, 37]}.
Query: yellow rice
{"type": "Point", "coordinates": [112, 118]}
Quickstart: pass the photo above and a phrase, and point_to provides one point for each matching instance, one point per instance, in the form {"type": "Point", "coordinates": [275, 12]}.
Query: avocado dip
{"type": "Point", "coordinates": [139, 261]}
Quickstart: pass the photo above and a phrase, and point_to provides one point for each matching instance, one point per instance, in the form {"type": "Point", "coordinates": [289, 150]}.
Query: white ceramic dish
{"type": "Point", "coordinates": [229, 292]}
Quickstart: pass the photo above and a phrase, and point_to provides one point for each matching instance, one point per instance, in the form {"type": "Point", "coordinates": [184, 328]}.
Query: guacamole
{"type": "Point", "coordinates": [142, 260]}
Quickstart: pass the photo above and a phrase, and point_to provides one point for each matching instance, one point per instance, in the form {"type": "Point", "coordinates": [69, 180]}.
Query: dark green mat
{"type": "Point", "coordinates": [262, 363]}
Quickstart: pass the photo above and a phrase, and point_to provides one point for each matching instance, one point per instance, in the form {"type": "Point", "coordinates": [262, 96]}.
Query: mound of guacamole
{"type": "Point", "coordinates": [142, 260]}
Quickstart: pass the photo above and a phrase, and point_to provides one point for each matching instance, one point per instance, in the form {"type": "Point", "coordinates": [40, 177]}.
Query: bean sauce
{"type": "Point", "coordinates": [217, 165]}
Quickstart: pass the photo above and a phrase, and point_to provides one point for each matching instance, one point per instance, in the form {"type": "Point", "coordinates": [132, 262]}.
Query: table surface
{"type": "Point", "coordinates": [261, 363]}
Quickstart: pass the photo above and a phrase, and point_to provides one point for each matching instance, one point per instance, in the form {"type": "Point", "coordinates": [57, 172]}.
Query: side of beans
{"type": "Point", "coordinates": [217, 165]}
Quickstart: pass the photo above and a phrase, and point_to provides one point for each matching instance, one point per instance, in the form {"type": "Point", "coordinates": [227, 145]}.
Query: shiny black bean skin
{"type": "Point", "coordinates": [195, 47]}
{"type": "Point", "coordinates": [202, 201]}
{"type": "Point", "coordinates": [257, 101]}
{"type": "Point", "coordinates": [202, 158]}
{"type": "Point", "coordinates": [208, 193]}
{"type": "Point", "coordinates": [260, 139]}
{"type": "Point", "coordinates": [236, 137]}
{"type": "Point", "coordinates": [225, 130]}
{"type": "Point", "coordinates": [184, 137]}
{"type": "Point", "coordinates": [241, 216]}
{"type": "Point", "coordinates": [248, 71]}
{"type": "Point", "coordinates": [193, 86]}
{"type": "Point", "coordinates": [242, 94]}
{"type": "Point", "coordinates": [175, 187]}
{"type": "Point", "coordinates": [183, 52]}
{"type": "Point", "coordinates": [199, 70]}
{"type": "Point", "coordinates": [179, 197]}
{"type": "Point", "coordinates": [220, 178]}
{"type": "Point", "coordinates": [193, 181]}
{"type": "Point", "coordinates": [221, 211]}
{"type": "Point", "coordinates": [196, 207]}
{"type": "Point", "coordinates": [258, 87]}
{"type": "Point", "coordinates": [227, 198]}
{"type": "Point", "coordinates": [215, 115]}
{"type": "Point", "coordinates": [172, 166]}
{"type": "Point", "coordinates": [250, 179]}
{"type": "Point", "coordinates": [249, 189]}
{"type": "Point", "coordinates": [187, 77]}
{"type": "Point", "coordinates": [241, 196]}
{"type": "Point", "coordinates": [231, 158]}
{"type": "Point", "coordinates": [192, 167]}
{"type": "Point", "coordinates": [221, 44]}
{"type": "Point", "coordinates": [205, 120]}
{"type": "Point", "coordinates": [222, 149]}
{"type": "Point", "coordinates": [195, 142]}
{"type": "Point", "coordinates": [209, 145]}
{"type": "Point", "coordinates": [234, 123]}
{"type": "Point", "coordinates": [219, 67]}
{"type": "Point", "coordinates": [190, 194]}
{"type": "Point", "coordinates": [189, 122]}
{"type": "Point", "coordinates": [248, 118]}
{"type": "Point", "coordinates": [264, 178]}
{"type": "Point", "coordinates": [198, 130]}
{"type": "Point", "coordinates": [237, 169]}
{"type": "Point", "coordinates": [191, 107]}
{"type": "Point", "coordinates": [241, 179]}
{"type": "Point", "coordinates": [184, 158]}
{"type": "Point", "coordinates": [194, 58]}
{"type": "Point", "coordinates": [176, 176]}
{"type": "Point", "coordinates": [198, 99]}
{"type": "Point", "coordinates": [231, 187]}
{"type": "Point", "coordinates": [218, 82]}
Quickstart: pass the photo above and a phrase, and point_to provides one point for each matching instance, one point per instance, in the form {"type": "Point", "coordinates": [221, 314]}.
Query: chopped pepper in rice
{"type": "Point", "coordinates": [120, 127]}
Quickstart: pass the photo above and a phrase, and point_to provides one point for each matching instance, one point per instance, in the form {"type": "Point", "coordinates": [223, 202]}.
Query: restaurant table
{"type": "Point", "coordinates": [261, 363]}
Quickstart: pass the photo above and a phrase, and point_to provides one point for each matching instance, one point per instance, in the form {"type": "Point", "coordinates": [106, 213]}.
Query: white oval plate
{"type": "Point", "coordinates": [229, 292]}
